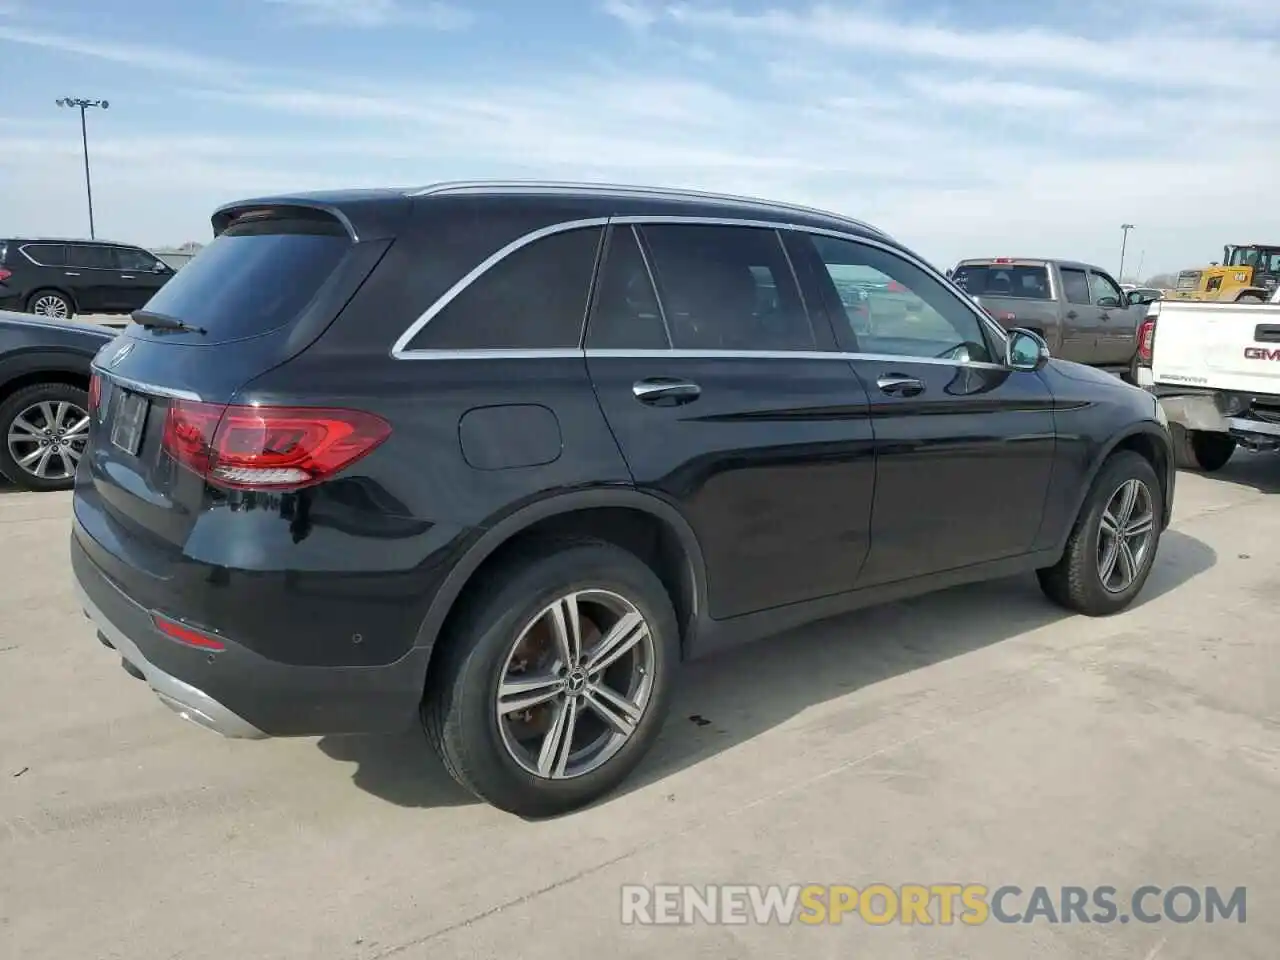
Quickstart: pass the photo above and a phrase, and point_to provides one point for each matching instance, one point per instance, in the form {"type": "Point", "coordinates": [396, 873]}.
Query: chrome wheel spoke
{"type": "Point", "coordinates": [1139, 527]}
{"type": "Point", "coordinates": [32, 457]}
{"type": "Point", "coordinates": [620, 713]}
{"type": "Point", "coordinates": [567, 628]}
{"type": "Point", "coordinates": [558, 743]}
{"type": "Point", "coordinates": [521, 693]}
{"type": "Point", "coordinates": [625, 634]}
{"type": "Point", "coordinates": [1127, 563]}
{"type": "Point", "coordinates": [1110, 525]}
{"type": "Point", "coordinates": [42, 468]}
{"type": "Point", "coordinates": [1128, 498]}
{"type": "Point", "coordinates": [1107, 567]}
{"type": "Point", "coordinates": [78, 429]}
{"type": "Point", "coordinates": [22, 426]}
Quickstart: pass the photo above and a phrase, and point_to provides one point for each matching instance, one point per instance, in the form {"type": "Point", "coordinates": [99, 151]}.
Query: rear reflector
{"type": "Point", "coordinates": [95, 392]}
{"type": "Point", "coordinates": [184, 634]}
{"type": "Point", "coordinates": [268, 448]}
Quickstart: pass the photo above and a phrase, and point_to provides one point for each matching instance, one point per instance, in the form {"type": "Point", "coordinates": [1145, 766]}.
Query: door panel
{"type": "Point", "coordinates": [92, 275]}
{"type": "Point", "coordinates": [962, 465]}
{"type": "Point", "coordinates": [1117, 326]}
{"type": "Point", "coordinates": [771, 464]}
{"type": "Point", "coordinates": [1081, 318]}
{"type": "Point", "coordinates": [964, 446]}
{"type": "Point", "coordinates": [767, 453]}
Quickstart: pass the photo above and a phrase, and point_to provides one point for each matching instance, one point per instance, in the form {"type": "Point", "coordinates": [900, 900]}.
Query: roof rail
{"type": "Point", "coordinates": [624, 190]}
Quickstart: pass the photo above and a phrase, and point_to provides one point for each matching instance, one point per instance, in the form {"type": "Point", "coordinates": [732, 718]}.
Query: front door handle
{"type": "Point", "coordinates": [126, 276]}
{"type": "Point", "coordinates": [665, 392]}
{"type": "Point", "coordinates": [1071, 314]}
{"type": "Point", "coordinates": [71, 273]}
{"type": "Point", "coordinates": [899, 385]}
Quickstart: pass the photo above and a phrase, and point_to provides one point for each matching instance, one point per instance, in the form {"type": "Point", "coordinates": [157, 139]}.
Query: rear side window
{"type": "Point", "coordinates": [91, 256]}
{"type": "Point", "coordinates": [996, 280]}
{"type": "Point", "coordinates": [46, 254]}
{"type": "Point", "coordinates": [533, 299]}
{"type": "Point", "coordinates": [626, 315]}
{"type": "Point", "coordinates": [727, 288]}
{"type": "Point", "coordinates": [254, 278]}
{"type": "Point", "coordinates": [1075, 285]}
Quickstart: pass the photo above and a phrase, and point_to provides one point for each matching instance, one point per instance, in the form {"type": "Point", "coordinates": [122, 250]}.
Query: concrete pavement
{"type": "Point", "coordinates": [976, 735]}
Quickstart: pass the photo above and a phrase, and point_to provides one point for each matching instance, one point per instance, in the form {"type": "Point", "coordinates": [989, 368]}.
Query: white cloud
{"type": "Point", "coordinates": [960, 142]}
{"type": "Point", "coordinates": [378, 13]}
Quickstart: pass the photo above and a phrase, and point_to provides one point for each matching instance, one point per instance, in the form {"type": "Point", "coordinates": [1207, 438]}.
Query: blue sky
{"type": "Point", "coordinates": [964, 129]}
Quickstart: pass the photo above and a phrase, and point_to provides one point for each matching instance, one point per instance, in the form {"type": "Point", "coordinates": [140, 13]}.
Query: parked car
{"type": "Point", "coordinates": [1215, 367]}
{"type": "Point", "coordinates": [1081, 312]}
{"type": "Point", "coordinates": [509, 482]}
{"type": "Point", "coordinates": [60, 278]}
{"type": "Point", "coordinates": [44, 400]}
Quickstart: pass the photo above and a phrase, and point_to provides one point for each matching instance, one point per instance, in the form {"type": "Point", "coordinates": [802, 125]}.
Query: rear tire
{"type": "Point", "coordinates": [1250, 298]}
{"type": "Point", "coordinates": [51, 304]}
{"type": "Point", "coordinates": [1202, 450]}
{"type": "Point", "coordinates": [505, 636]}
{"type": "Point", "coordinates": [1081, 581]}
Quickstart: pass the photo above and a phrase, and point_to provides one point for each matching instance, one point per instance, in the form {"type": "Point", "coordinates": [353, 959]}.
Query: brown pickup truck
{"type": "Point", "coordinates": [1078, 308]}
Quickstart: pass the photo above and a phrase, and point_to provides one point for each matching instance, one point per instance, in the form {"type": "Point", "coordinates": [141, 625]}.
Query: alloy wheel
{"type": "Point", "coordinates": [48, 438]}
{"type": "Point", "coordinates": [1125, 536]}
{"type": "Point", "coordinates": [51, 306]}
{"type": "Point", "coordinates": [575, 684]}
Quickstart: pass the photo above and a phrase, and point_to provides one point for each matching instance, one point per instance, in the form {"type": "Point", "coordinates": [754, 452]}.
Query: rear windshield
{"type": "Point", "coordinates": [998, 280]}
{"type": "Point", "coordinates": [254, 278]}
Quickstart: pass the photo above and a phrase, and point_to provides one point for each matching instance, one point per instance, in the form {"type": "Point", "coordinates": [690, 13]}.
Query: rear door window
{"type": "Point", "coordinates": [626, 314]}
{"type": "Point", "coordinates": [91, 256]}
{"type": "Point", "coordinates": [1075, 285]}
{"type": "Point", "coordinates": [130, 258]}
{"type": "Point", "coordinates": [253, 278]}
{"type": "Point", "coordinates": [46, 254]}
{"type": "Point", "coordinates": [727, 288]}
{"type": "Point", "coordinates": [1001, 280]}
{"type": "Point", "coordinates": [533, 299]}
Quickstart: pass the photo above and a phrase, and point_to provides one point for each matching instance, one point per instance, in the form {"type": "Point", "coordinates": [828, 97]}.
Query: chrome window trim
{"type": "Point", "coordinates": [44, 243]}
{"type": "Point", "coordinates": [400, 349]}
{"type": "Point", "coordinates": [653, 285]}
{"type": "Point", "coordinates": [142, 386]}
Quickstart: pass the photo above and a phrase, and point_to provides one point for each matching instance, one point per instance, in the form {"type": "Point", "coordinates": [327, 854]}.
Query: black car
{"type": "Point", "coordinates": [44, 397]}
{"type": "Point", "coordinates": [60, 278]}
{"type": "Point", "coordinates": [504, 455]}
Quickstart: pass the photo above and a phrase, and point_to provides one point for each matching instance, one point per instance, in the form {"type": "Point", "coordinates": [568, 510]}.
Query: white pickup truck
{"type": "Point", "coordinates": [1215, 368]}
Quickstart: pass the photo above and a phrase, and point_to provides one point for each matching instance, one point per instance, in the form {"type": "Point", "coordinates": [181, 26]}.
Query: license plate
{"type": "Point", "coordinates": [131, 417]}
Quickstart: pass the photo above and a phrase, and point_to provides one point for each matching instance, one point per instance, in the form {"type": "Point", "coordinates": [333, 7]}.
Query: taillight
{"type": "Point", "coordinates": [1146, 340]}
{"type": "Point", "coordinates": [268, 448]}
{"type": "Point", "coordinates": [5, 274]}
{"type": "Point", "coordinates": [95, 392]}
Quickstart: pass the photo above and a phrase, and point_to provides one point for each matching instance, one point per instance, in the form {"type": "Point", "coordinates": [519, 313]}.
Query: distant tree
{"type": "Point", "coordinates": [191, 246]}
{"type": "Point", "coordinates": [1162, 281]}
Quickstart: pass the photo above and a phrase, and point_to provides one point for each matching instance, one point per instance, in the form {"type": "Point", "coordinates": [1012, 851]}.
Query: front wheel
{"type": "Point", "coordinates": [46, 427]}
{"type": "Point", "coordinates": [1113, 545]}
{"type": "Point", "coordinates": [1250, 298]}
{"type": "Point", "coordinates": [554, 679]}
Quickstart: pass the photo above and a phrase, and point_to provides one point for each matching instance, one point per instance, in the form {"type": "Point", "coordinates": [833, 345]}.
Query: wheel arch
{"type": "Point", "coordinates": [642, 523]}
{"type": "Point", "coordinates": [1150, 441]}
{"type": "Point", "coordinates": [24, 369]}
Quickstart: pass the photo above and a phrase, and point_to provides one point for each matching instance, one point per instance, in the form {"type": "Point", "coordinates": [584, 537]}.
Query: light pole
{"type": "Point", "coordinates": [84, 139]}
{"type": "Point", "coordinates": [1124, 228]}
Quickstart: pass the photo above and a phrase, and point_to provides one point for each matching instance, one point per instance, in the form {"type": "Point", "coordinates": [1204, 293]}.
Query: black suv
{"type": "Point", "coordinates": [502, 456]}
{"type": "Point", "coordinates": [60, 278]}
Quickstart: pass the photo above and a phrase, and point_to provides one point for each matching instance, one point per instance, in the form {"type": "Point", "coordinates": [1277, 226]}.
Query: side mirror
{"type": "Point", "coordinates": [1108, 302]}
{"type": "Point", "coordinates": [1025, 350]}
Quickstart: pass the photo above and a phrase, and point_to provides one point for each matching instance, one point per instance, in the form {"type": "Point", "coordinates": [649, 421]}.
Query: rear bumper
{"type": "Point", "coordinates": [240, 693]}
{"type": "Point", "coordinates": [1213, 411]}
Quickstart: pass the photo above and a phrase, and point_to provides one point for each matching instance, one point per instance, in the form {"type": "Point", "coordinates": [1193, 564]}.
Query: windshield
{"type": "Point", "coordinates": [253, 280]}
{"type": "Point", "coordinates": [999, 280]}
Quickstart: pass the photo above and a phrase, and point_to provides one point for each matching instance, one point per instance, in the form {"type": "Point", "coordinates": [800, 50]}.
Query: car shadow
{"type": "Point", "coordinates": [732, 697]}
{"type": "Point", "coordinates": [1257, 471]}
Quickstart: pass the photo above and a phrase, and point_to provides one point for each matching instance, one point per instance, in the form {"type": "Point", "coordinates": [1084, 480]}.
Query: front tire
{"type": "Point", "coordinates": [1113, 544]}
{"type": "Point", "coordinates": [554, 678]}
{"type": "Point", "coordinates": [45, 428]}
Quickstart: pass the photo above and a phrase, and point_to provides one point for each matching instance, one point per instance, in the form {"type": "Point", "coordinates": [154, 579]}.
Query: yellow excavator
{"type": "Point", "coordinates": [1248, 274]}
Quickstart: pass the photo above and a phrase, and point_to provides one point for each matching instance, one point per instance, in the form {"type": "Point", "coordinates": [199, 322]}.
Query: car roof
{"type": "Point", "coordinates": [1029, 262]}
{"type": "Point", "coordinates": [359, 209]}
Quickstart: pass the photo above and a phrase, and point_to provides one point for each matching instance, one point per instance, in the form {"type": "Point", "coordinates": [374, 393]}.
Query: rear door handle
{"type": "Point", "coordinates": [1105, 316]}
{"type": "Point", "coordinates": [899, 385]}
{"type": "Point", "coordinates": [665, 392]}
{"type": "Point", "coordinates": [72, 273]}
{"type": "Point", "coordinates": [126, 276]}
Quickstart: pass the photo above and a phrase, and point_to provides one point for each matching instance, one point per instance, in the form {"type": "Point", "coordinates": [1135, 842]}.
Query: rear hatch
{"type": "Point", "coordinates": [1015, 292]}
{"type": "Point", "coordinates": [275, 276]}
{"type": "Point", "coordinates": [1217, 346]}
